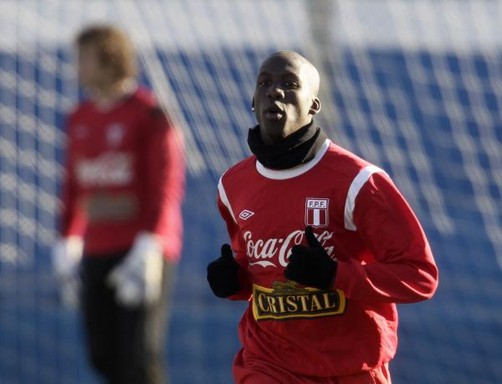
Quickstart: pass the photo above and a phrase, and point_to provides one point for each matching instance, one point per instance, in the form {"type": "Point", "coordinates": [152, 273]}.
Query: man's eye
{"type": "Point", "coordinates": [292, 84]}
{"type": "Point", "coordinates": [263, 83]}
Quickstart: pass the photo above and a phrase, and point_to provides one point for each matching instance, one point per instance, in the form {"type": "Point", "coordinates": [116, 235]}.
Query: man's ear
{"type": "Point", "coordinates": [315, 107]}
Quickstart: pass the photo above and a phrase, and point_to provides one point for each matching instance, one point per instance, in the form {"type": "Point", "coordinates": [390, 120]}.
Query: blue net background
{"type": "Point", "coordinates": [431, 117]}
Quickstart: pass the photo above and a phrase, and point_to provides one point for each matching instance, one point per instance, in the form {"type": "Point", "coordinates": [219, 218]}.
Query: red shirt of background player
{"type": "Point", "coordinates": [124, 175]}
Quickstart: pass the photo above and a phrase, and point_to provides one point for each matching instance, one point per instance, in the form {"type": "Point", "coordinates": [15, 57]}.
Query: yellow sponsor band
{"type": "Point", "coordinates": [101, 207]}
{"type": "Point", "coordinates": [288, 301]}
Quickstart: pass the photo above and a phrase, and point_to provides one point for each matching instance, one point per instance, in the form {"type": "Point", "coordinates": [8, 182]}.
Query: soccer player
{"type": "Point", "coordinates": [323, 245]}
{"type": "Point", "coordinates": [121, 224]}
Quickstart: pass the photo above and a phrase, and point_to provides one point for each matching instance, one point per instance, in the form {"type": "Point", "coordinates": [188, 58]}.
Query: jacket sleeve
{"type": "Point", "coordinates": [72, 221]}
{"type": "Point", "coordinates": [237, 245]}
{"type": "Point", "coordinates": [403, 269]}
{"type": "Point", "coordinates": [162, 174]}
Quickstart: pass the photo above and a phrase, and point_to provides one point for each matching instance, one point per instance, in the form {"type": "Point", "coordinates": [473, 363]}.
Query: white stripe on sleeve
{"type": "Point", "coordinates": [224, 198]}
{"type": "Point", "coordinates": [358, 182]}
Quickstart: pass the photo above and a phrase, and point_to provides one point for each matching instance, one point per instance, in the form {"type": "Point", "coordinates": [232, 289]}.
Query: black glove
{"type": "Point", "coordinates": [311, 266]}
{"type": "Point", "coordinates": [222, 273]}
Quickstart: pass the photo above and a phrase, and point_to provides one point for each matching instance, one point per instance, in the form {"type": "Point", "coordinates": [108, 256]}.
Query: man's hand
{"type": "Point", "coordinates": [66, 257]}
{"type": "Point", "coordinates": [222, 274]}
{"type": "Point", "coordinates": [138, 278]}
{"type": "Point", "coordinates": [311, 266]}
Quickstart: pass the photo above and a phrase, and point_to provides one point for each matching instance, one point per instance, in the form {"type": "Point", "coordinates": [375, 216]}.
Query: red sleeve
{"type": "Point", "coordinates": [162, 178]}
{"type": "Point", "coordinates": [239, 253]}
{"type": "Point", "coordinates": [404, 270]}
{"type": "Point", "coordinates": [72, 219]}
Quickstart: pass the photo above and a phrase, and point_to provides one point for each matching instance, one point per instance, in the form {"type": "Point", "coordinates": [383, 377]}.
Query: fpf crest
{"type": "Point", "coordinates": [317, 212]}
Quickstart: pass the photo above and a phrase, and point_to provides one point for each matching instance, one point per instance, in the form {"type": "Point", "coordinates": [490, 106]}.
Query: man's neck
{"type": "Point", "coordinates": [106, 97]}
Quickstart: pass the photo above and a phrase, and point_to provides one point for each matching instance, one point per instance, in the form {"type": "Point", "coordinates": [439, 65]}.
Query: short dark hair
{"type": "Point", "coordinates": [113, 47]}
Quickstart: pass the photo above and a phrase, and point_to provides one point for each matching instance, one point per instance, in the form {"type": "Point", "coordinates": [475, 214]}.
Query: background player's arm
{"type": "Point", "coordinates": [68, 248]}
{"type": "Point", "coordinates": [240, 255]}
{"type": "Point", "coordinates": [404, 270]}
{"type": "Point", "coordinates": [163, 180]}
{"type": "Point", "coordinates": [72, 219]}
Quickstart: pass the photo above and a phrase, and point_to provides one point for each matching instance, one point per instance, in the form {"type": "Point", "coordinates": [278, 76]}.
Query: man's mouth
{"type": "Point", "coordinates": [274, 113]}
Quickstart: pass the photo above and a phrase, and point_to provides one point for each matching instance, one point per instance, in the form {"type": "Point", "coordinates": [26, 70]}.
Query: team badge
{"type": "Point", "coordinates": [115, 134]}
{"type": "Point", "coordinates": [316, 212]}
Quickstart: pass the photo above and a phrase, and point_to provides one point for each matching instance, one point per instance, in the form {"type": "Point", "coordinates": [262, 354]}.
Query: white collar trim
{"type": "Point", "coordinates": [284, 174]}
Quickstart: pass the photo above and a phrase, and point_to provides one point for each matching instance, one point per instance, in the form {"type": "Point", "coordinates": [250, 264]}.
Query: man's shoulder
{"type": "Point", "coordinates": [341, 160]}
{"type": "Point", "coordinates": [241, 168]}
{"type": "Point", "coordinates": [82, 106]}
{"type": "Point", "coordinates": [145, 96]}
{"type": "Point", "coordinates": [347, 167]}
{"type": "Point", "coordinates": [143, 99]}
{"type": "Point", "coordinates": [80, 113]}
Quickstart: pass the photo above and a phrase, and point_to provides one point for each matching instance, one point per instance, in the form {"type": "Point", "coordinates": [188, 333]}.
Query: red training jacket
{"type": "Point", "coordinates": [125, 173]}
{"type": "Point", "coordinates": [363, 221]}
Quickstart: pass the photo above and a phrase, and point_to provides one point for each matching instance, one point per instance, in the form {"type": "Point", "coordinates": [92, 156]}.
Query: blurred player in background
{"type": "Point", "coordinates": [325, 245]}
{"type": "Point", "coordinates": [121, 225]}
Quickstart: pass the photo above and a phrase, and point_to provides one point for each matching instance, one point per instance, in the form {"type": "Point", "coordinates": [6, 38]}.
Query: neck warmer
{"type": "Point", "coordinates": [298, 148]}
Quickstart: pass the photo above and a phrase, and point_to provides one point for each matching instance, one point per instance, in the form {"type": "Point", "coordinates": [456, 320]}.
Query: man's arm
{"type": "Point", "coordinates": [239, 251]}
{"type": "Point", "coordinates": [68, 248]}
{"type": "Point", "coordinates": [72, 220]}
{"type": "Point", "coordinates": [163, 180]}
{"type": "Point", "coordinates": [404, 270]}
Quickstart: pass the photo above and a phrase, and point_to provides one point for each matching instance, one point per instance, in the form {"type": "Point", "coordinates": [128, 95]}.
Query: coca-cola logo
{"type": "Point", "coordinates": [273, 252]}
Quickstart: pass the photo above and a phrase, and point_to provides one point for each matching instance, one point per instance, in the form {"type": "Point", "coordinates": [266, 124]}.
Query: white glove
{"type": "Point", "coordinates": [138, 278]}
{"type": "Point", "coordinates": [66, 257]}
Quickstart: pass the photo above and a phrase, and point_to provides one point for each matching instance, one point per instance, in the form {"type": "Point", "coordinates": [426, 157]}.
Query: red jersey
{"type": "Point", "coordinates": [124, 174]}
{"type": "Point", "coordinates": [363, 221]}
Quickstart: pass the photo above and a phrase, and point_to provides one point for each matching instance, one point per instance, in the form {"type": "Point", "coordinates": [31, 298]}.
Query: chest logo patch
{"type": "Point", "coordinates": [317, 212]}
{"type": "Point", "coordinates": [115, 134]}
{"type": "Point", "coordinates": [286, 300]}
{"type": "Point", "coordinates": [245, 214]}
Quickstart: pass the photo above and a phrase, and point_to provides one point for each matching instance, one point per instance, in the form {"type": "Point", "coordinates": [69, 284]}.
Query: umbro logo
{"type": "Point", "coordinates": [245, 214]}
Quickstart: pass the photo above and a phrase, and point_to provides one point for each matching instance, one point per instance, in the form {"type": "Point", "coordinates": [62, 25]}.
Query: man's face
{"type": "Point", "coordinates": [285, 96]}
{"type": "Point", "coordinates": [91, 73]}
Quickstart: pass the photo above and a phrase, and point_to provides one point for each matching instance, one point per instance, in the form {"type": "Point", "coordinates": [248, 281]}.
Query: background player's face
{"type": "Point", "coordinates": [91, 73]}
{"type": "Point", "coordinates": [285, 96]}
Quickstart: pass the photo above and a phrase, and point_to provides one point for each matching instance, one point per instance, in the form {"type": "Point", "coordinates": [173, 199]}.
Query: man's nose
{"type": "Point", "coordinates": [275, 92]}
